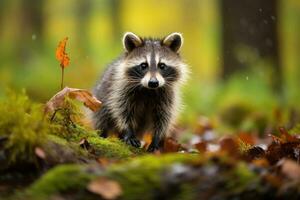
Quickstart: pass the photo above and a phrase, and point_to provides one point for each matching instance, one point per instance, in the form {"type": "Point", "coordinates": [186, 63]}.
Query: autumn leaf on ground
{"type": "Point", "coordinates": [229, 145]}
{"type": "Point", "coordinates": [107, 189]}
{"type": "Point", "coordinates": [290, 168]}
{"type": "Point", "coordinates": [171, 145]}
{"type": "Point", "coordinates": [201, 146]}
{"type": "Point", "coordinates": [61, 54]}
{"type": "Point", "coordinates": [40, 153]}
{"type": "Point", "coordinates": [82, 95]}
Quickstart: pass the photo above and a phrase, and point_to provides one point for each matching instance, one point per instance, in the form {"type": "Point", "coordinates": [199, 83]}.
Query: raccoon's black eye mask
{"type": "Point", "coordinates": [137, 72]}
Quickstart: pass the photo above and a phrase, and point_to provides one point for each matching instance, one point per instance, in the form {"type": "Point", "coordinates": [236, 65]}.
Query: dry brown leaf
{"type": "Point", "coordinates": [229, 145]}
{"type": "Point", "coordinates": [247, 138]}
{"type": "Point", "coordinates": [61, 54]}
{"type": "Point", "coordinates": [286, 136]}
{"type": "Point", "coordinates": [84, 96]}
{"type": "Point", "coordinates": [171, 145]}
{"type": "Point", "coordinates": [291, 169]}
{"type": "Point", "coordinates": [84, 143]}
{"type": "Point", "coordinates": [201, 146]}
{"type": "Point", "coordinates": [261, 162]}
{"type": "Point", "coordinates": [107, 189]}
{"type": "Point", "coordinates": [40, 153]}
{"type": "Point", "coordinates": [274, 180]}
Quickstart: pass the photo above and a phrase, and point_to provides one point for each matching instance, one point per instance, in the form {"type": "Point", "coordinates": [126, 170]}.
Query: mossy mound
{"type": "Point", "coordinates": [171, 176]}
{"type": "Point", "coordinates": [22, 128]}
{"type": "Point", "coordinates": [64, 179]}
{"type": "Point", "coordinates": [139, 177]}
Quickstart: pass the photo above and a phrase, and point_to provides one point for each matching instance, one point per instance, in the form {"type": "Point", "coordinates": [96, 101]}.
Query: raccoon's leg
{"type": "Point", "coordinates": [129, 138]}
{"type": "Point", "coordinates": [155, 144]}
{"type": "Point", "coordinates": [161, 122]}
{"type": "Point", "coordinates": [102, 122]}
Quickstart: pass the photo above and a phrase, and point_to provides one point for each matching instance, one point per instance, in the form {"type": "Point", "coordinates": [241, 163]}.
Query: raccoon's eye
{"type": "Point", "coordinates": [143, 66]}
{"type": "Point", "coordinates": [162, 66]}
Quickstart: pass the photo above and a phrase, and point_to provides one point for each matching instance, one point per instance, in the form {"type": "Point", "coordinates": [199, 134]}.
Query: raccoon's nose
{"type": "Point", "coordinates": [153, 83]}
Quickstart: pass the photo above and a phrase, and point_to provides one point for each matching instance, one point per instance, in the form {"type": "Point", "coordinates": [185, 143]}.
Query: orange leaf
{"type": "Point", "coordinates": [61, 54]}
{"type": "Point", "coordinates": [84, 96]}
{"type": "Point", "coordinates": [230, 145]}
{"type": "Point", "coordinates": [286, 136]}
{"type": "Point", "coordinates": [107, 189]}
{"type": "Point", "coordinates": [171, 145]}
{"type": "Point", "coordinates": [247, 138]}
{"type": "Point", "coordinates": [201, 146]}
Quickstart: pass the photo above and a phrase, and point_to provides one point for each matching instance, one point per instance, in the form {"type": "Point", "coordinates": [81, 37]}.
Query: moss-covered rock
{"type": "Point", "coordinates": [138, 177]}
{"type": "Point", "coordinates": [64, 179]}
{"type": "Point", "coordinates": [143, 177]}
{"type": "Point", "coordinates": [172, 176]}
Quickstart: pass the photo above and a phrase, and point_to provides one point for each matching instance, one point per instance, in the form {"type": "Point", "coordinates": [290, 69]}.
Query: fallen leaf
{"type": "Point", "coordinates": [274, 180]}
{"type": "Point", "coordinates": [171, 145]}
{"type": "Point", "coordinates": [261, 162]}
{"type": "Point", "coordinates": [83, 143]}
{"type": "Point", "coordinates": [276, 139]}
{"type": "Point", "coordinates": [107, 189]}
{"type": "Point", "coordinates": [201, 146]}
{"type": "Point", "coordinates": [61, 54]}
{"type": "Point", "coordinates": [247, 138]}
{"type": "Point", "coordinates": [229, 145]}
{"type": "Point", "coordinates": [286, 136]}
{"type": "Point", "coordinates": [84, 96]}
{"type": "Point", "coordinates": [40, 153]}
{"type": "Point", "coordinates": [290, 168]}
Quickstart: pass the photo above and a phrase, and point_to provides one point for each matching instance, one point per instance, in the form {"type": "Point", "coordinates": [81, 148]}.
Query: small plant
{"type": "Point", "coordinates": [63, 58]}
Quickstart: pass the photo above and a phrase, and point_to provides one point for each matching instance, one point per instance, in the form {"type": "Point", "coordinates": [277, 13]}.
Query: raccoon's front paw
{"type": "Point", "coordinates": [153, 147]}
{"type": "Point", "coordinates": [133, 141]}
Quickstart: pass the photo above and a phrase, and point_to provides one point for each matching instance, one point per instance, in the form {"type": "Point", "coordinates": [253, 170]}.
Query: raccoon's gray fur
{"type": "Point", "coordinates": [140, 90]}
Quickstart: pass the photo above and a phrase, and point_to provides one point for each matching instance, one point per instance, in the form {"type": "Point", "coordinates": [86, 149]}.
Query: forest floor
{"type": "Point", "coordinates": [58, 156]}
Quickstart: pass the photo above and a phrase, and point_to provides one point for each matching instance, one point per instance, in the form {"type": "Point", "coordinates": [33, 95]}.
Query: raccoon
{"type": "Point", "coordinates": [140, 90]}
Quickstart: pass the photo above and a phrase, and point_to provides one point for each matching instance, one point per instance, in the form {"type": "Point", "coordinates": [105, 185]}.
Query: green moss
{"type": "Point", "coordinates": [110, 147]}
{"type": "Point", "coordinates": [22, 123]}
{"type": "Point", "coordinates": [138, 177]}
{"type": "Point", "coordinates": [142, 176]}
{"type": "Point", "coordinates": [241, 177]}
{"type": "Point", "coordinates": [63, 151]}
{"type": "Point", "coordinates": [69, 127]}
{"type": "Point", "coordinates": [64, 178]}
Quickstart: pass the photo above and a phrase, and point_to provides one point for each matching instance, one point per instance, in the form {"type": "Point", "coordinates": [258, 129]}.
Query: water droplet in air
{"type": "Point", "coordinates": [33, 37]}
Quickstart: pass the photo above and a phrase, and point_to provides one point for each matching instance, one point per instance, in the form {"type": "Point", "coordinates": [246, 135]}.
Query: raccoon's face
{"type": "Point", "coordinates": [153, 63]}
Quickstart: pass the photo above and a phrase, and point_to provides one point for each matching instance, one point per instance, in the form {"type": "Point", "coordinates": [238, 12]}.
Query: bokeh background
{"type": "Point", "coordinates": [244, 55]}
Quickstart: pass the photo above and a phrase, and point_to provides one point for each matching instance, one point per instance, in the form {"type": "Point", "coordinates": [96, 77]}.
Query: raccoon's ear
{"type": "Point", "coordinates": [131, 41]}
{"type": "Point", "coordinates": [174, 41]}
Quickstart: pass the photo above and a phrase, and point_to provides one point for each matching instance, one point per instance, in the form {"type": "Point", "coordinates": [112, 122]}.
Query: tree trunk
{"type": "Point", "coordinates": [250, 26]}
